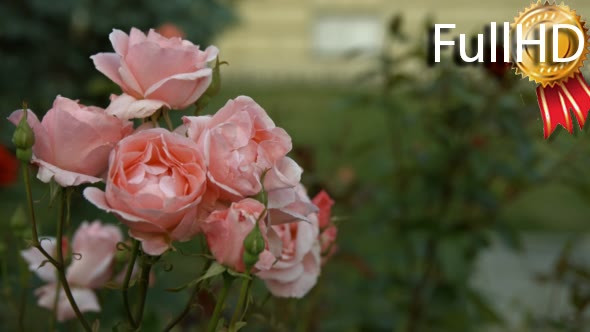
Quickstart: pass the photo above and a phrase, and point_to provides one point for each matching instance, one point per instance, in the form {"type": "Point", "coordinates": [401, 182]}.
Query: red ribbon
{"type": "Point", "coordinates": [557, 101]}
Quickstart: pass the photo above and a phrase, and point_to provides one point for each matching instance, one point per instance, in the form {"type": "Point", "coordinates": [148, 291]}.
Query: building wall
{"type": "Point", "coordinates": [274, 39]}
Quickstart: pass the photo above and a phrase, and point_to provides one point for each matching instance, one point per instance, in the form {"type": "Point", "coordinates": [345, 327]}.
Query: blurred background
{"type": "Point", "coordinates": [454, 213]}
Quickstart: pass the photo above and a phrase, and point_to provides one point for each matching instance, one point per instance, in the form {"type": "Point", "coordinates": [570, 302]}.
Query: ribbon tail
{"type": "Point", "coordinates": [577, 94]}
{"type": "Point", "coordinates": [556, 102]}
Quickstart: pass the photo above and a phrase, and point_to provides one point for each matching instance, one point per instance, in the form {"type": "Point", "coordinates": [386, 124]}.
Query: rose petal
{"type": "Point", "coordinates": [127, 107]}
{"type": "Point", "coordinates": [108, 64]}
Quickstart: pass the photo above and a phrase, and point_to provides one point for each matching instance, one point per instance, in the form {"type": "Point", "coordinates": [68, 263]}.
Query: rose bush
{"type": "Point", "coordinates": [225, 175]}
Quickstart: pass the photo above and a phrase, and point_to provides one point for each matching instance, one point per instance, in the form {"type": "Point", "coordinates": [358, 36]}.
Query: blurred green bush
{"type": "Point", "coordinates": [45, 45]}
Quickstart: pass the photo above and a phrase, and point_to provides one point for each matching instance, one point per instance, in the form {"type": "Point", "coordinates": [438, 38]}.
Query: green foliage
{"type": "Point", "coordinates": [46, 45]}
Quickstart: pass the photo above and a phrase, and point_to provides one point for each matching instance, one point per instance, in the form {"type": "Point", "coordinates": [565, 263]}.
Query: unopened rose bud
{"type": "Point", "coordinates": [213, 88]}
{"type": "Point", "coordinates": [250, 260]}
{"type": "Point", "coordinates": [24, 155]}
{"type": "Point", "coordinates": [203, 102]}
{"type": "Point", "coordinates": [23, 137]}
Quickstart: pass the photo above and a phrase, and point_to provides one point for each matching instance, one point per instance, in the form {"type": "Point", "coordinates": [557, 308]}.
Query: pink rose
{"type": "Point", "coordinates": [239, 143]}
{"type": "Point", "coordinates": [94, 248]}
{"type": "Point", "coordinates": [226, 230]}
{"type": "Point", "coordinates": [287, 201]}
{"type": "Point", "coordinates": [73, 141]}
{"type": "Point", "coordinates": [299, 264]}
{"type": "Point", "coordinates": [35, 258]}
{"type": "Point", "coordinates": [154, 72]}
{"type": "Point", "coordinates": [155, 181]}
{"type": "Point", "coordinates": [328, 231]}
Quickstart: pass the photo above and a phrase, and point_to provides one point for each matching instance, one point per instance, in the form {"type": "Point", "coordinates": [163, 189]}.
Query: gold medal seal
{"type": "Point", "coordinates": [549, 73]}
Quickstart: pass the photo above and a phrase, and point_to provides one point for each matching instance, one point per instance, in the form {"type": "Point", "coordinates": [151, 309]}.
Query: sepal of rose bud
{"type": "Point", "coordinates": [24, 155]}
{"type": "Point", "coordinates": [23, 137]}
{"type": "Point", "coordinates": [215, 85]}
{"type": "Point", "coordinates": [213, 88]}
{"type": "Point", "coordinates": [254, 245]}
{"type": "Point", "coordinates": [250, 260]}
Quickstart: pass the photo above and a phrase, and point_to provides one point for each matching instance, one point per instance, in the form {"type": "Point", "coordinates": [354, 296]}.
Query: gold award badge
{"type": "Point", "coordinates": [549, 52]}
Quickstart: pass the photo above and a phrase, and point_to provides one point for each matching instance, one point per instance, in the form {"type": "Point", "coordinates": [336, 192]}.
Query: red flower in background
{"type": "Point", "coordinates": [8, 167]}
{"type": "Point", "coordinates": [499, 68]}
{"type": "Point", "coordinates": [170, 30]}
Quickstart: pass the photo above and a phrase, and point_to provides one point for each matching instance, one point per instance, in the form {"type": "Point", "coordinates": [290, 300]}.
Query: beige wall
{"type": "Point", "coordinates": [273, 38]}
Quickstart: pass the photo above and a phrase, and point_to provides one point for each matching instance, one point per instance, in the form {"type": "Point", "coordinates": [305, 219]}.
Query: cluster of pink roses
{"type": "Point", "coordinates": [170, 185]}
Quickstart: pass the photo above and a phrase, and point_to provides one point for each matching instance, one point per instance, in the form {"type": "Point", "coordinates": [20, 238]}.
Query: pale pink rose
{"type": "Point", "coordinates": [37, 262]}
{"type": "Point", "coordinates": [85, 299]}
{"type": "Point", "coordinates": [155, 181]}
{"type": "Point", "coordinates": [287, 200]}
{"type": "Point", "coordinates": [239, 143]}
{"type": "Point", "coordinates": [155, 72]}
{"type": "Point", "coordinates": [298, 267]}
{"type": "Point", "coordinates": [328, 230]}
{"type": "Point", "coordinates": [94, 248]}
{"type": "Point", "coordinates": [73, 141]}
{"type": "Point", "coordinates": [226, 230]}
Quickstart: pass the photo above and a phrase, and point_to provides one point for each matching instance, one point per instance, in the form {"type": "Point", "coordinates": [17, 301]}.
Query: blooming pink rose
{"type": "Point", "coordinates": [155, 72]}
{"type": "Point", "coordinates": [94, 248]}
{"type": "Point", "coordinates": [287, 200]}
{"type": "Point", "coordinates": [226, 230]}
{"type": "Point", "coordinates": [299, 264]}
{"type": "Point", "coordinates": [239, 143]}
{"type": "Point", "coordinates": [155, 181]}
{"type": "Point", "coordinates": [73, 141]}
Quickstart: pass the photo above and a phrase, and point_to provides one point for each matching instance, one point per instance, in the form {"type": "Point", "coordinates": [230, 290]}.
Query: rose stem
{"type": "Point", "coordinates": [125, 288]}
{"type": "Point", "coordinates": [36, 243]}
{"type": "Point", "coordinates": [191, 300]}
{"type": "Point", "coordinates": [53, 317]}
{"type": "Point", "coordinates": [227, 280]}
{"type": "Point", "coordinates": [143, 283]}
{"type": "Point", "coordinates": [60, 260]}
{"type": "Point", "coordinates": [244, 290]}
